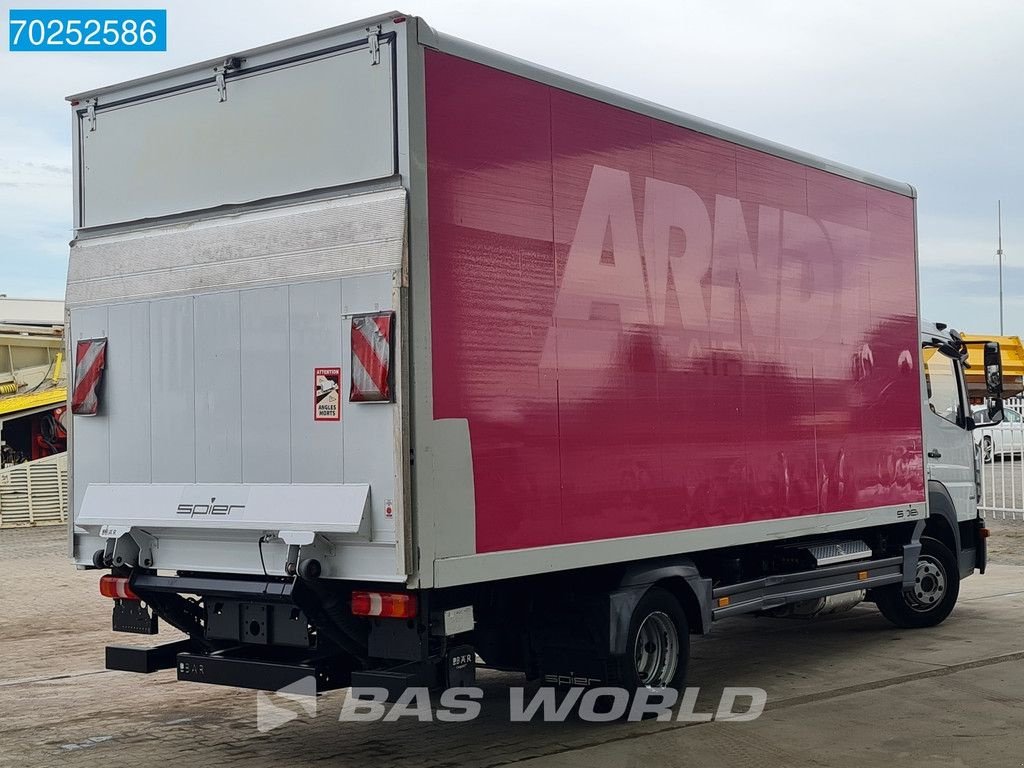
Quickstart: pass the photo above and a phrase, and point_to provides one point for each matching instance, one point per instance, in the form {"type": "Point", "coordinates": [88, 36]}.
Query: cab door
{"type": "Point", "coordinates": [948, 445]}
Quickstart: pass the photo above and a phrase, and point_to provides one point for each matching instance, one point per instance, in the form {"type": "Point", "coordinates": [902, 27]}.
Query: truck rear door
{"type": "Point", "coordinates": [312, 116]}
{"type": "Point", "coordinates": [239, 250]}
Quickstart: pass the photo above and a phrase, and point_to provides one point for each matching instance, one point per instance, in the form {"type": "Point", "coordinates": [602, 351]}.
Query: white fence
{"type": "Point", "coordinates": [34, 493]}
{"type": "Point", "coordinates": [1002, 467]}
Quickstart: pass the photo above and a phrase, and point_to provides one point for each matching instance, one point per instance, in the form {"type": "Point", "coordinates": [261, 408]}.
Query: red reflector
{"type": "Point", "coordinates": [393, 605]}
{"type": "Point", "coordinates": [985, 533]}
{"type": "Point", "coordinates": [116, 588]}
{"type": "Point", "coordinates": [371, 358]}
{"type": "Point", "coordinates": [90, 359]}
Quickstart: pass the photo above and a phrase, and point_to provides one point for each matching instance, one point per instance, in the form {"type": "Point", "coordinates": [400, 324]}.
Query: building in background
{"type": "Point", "coordinates": [33, 393]}
{"type": "Point", "coordinates": [31, 312]}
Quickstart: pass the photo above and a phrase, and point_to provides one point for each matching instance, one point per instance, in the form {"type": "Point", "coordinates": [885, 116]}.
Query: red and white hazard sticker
{"type": "Point", "coordinates": [327, 394]}
{"type": "Point", "coordinates": [90, 360]}
{"type": "Point", "coordinates": [372, 337]}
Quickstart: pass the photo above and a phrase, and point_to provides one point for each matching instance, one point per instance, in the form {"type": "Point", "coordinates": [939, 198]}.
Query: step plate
{"type": "Point", "coordinates": [839, 552]}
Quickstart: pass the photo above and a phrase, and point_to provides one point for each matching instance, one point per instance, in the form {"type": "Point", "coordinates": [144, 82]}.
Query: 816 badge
{"type": "Point", "coordinates": [327, 394]}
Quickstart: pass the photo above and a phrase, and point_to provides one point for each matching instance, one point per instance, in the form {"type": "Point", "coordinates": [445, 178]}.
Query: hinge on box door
{"type": "Point", "coordinates": [230, 64]}
{"type": "Point", "coordinates": [373, 40]}
{"type": "Point", "coordinates": [90, 113]}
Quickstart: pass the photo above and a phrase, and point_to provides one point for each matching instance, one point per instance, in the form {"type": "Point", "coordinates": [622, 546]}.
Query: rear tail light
{"type": "Point", "coordinates": [372, 347]}
{"type": "Point", "coordinates": [116, 588]}
{"type": "Point", "coordinates": [392, 605]}
{"type": "Point", "coordinates": [90, 359]}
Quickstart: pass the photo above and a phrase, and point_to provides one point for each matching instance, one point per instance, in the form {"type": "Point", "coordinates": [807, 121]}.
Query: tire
{"type": "Point", "coordinates": [936, 588]}
{"type": "Point", "coordinates": [987, 449]}
{"type": "Point", "coordinates": [658, 644]}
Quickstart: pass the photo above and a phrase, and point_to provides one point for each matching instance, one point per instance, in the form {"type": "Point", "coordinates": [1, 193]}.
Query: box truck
{"type": "Point", "coordinates": [395, 355]}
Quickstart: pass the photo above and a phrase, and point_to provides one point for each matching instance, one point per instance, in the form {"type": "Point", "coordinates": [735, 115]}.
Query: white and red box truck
{"type": "Point", "coordinates": [393, 352]}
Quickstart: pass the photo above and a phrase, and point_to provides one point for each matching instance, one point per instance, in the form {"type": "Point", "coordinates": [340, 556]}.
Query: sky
{"type": "Point", "coordinates": [923, 92]}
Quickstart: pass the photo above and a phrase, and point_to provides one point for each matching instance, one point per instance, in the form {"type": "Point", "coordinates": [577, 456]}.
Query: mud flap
{"type": "Point", "coordinates": [981, 540]}
{"type": "Point", "coordinates": [460, 667]}
{"type": "Point", "coordinates": [135, 617]}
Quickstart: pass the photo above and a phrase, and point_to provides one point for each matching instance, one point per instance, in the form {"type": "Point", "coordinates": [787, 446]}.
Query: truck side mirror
{"type": "Point", "coordinates": [993, 369]}
{"type": "Point", "coordinates": [994, 381]}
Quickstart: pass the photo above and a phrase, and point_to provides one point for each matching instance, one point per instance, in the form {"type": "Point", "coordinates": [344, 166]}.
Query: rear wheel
{"type": "Point", "coordinates": [933, 595]}
{"type": "Point", "coordinates": [658, 644]}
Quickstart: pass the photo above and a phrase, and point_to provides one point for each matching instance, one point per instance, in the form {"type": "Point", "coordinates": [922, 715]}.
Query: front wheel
{"type": "Point", "coordinates": [658, 644]}
{"type": "Point", "coordinates": [987, 451]}
{"type": "Point", "coordinates": [933, 595]}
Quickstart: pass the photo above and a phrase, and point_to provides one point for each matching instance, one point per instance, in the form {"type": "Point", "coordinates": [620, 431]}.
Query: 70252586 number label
{"type": "Point", "coordinates": [87, 30]}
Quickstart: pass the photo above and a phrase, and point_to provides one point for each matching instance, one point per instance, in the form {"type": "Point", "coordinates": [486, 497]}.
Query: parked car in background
{"type": "Point", "coordinates": [1003, 439]}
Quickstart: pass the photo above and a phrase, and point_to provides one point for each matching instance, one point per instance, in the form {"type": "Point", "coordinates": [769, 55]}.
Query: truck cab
{"type": "Point", "coordinates": [951, 457]}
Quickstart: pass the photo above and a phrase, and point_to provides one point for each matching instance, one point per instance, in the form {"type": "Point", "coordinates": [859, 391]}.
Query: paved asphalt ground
{"type": "Point", "coordinates": [843, 691]}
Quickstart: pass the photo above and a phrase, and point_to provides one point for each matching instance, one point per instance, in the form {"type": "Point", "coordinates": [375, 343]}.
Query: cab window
{"type": "Point", "coordinates": [941, 380]}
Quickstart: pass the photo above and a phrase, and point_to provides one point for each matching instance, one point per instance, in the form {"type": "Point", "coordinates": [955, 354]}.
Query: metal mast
{"type": "Point", "coordinates": [999, 253]}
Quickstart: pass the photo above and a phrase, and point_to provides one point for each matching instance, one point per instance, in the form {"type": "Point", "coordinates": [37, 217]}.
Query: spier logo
{"type": "Point", "coordinates": [701, 269]}
{"type": "Point", "coordinates": [201, 510]}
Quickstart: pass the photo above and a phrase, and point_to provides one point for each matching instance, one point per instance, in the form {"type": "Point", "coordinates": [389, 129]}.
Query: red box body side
{"type": "Point", "coordinates": [649, 329]}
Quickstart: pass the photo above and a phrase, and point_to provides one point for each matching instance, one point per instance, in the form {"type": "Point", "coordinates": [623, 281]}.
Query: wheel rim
{"type": "Point", "coordinates": [929, 585]}
{"type": "Point", "coordinates": [656, 652]}
{"type": "Point", "coordinates": [987, 449]}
